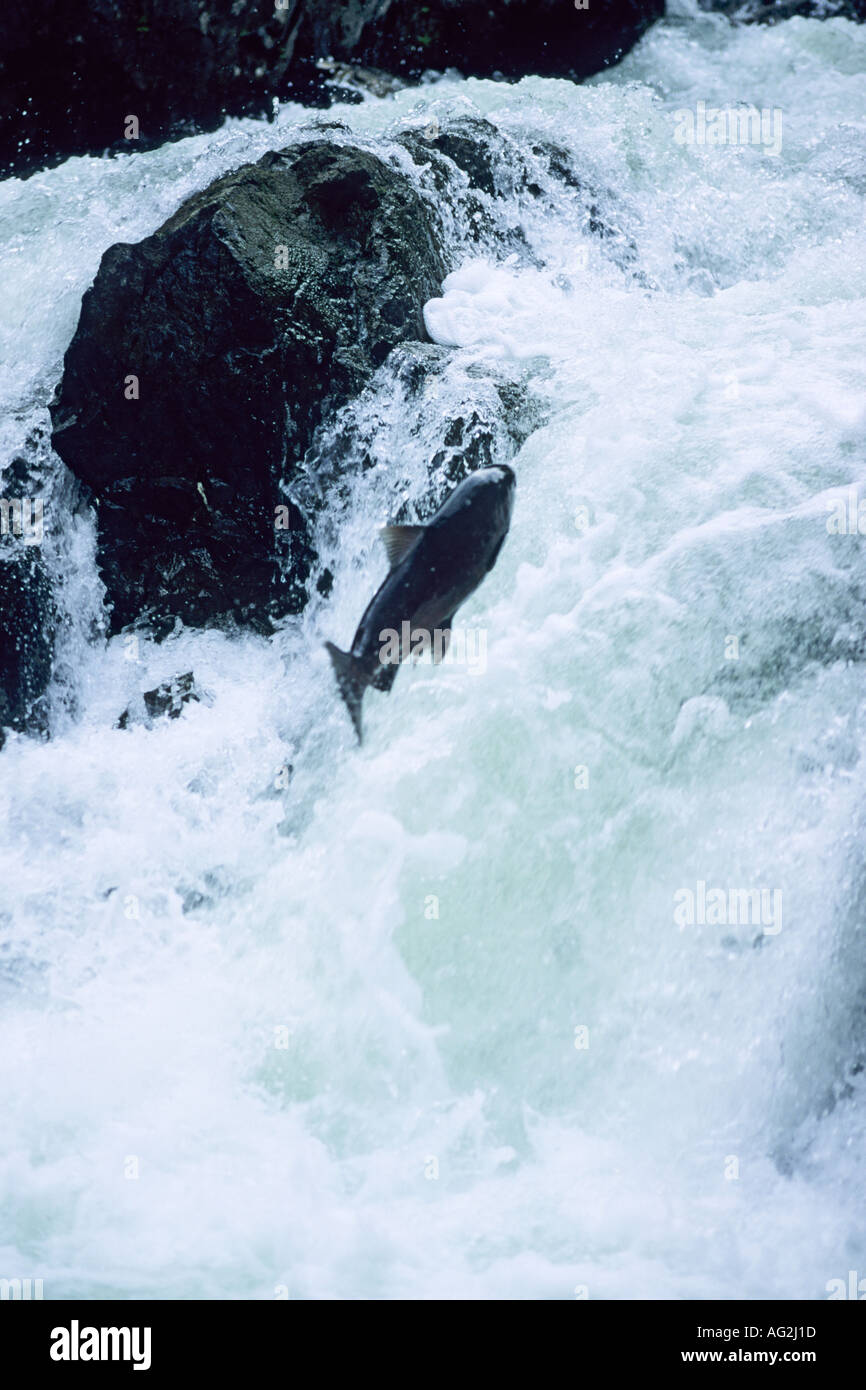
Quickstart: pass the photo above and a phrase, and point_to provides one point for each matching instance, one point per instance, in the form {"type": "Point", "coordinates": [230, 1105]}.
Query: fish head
{"type": "Point", "coordinates": [478, 512]}
{"type": "Point", "coordinates": [466, 534]}
{"type": "Point", "coordinates": [493, 494]}
{"type": "Point", "coordinates": [498, 475]}
{"type": "Point", "coordinates": [488, 489]}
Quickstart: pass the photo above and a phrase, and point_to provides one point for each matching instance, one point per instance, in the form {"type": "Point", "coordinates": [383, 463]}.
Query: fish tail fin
{"type": "Point", "coordinates": [385, 676]}
{"type": "Point", "coordinates": [351, 683]}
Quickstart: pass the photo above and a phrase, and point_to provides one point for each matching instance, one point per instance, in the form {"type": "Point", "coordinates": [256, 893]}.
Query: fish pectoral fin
{"type": "Point", "coordinates": [431, 630]}
{"type": "Point", "coordinates": [399, 540]}
{"type": "Point", "coordinates": [351, 683]}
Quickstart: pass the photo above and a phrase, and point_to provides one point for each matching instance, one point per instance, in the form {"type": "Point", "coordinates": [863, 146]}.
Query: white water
{"type": "Point", "coordinates": [705, 425]}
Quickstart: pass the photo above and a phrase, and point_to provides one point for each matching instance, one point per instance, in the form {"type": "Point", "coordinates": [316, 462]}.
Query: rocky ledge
{"type": "Point", "coordinates": [91, 75]}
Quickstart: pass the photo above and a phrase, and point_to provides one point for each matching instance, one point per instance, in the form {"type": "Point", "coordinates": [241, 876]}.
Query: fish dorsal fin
{"type": "Point", "coordinates": [398, 541]}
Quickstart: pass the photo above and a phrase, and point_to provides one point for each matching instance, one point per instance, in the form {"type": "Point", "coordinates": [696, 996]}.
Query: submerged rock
{"type": "Point", "coordinates": [351, 82]}
{"type": "Point", "coordinates": [484, 180]}
{"type": "Point", "coordinates": [472, 171]}
{"type": "Point", "coordinates": [490, 161]}
{"type": "Point", "coordinates": [462, 418]}
{"type": "Point", "coordinates": [167, 699]}
{"type": "Point", "coordinates": [203, 360]}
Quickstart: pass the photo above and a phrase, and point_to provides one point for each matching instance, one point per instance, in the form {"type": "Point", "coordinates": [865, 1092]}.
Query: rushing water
{"type": "Point", "coordinates": [321, 1040]}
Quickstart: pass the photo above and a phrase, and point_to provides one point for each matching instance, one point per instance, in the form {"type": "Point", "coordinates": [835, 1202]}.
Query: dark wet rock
{"type": "Point", "coordinates": [515, 37]}
{"type": "Point", "coordinates": [72, 74]}
{"type": "Point", "coordinates": [479, 176]}
{"type": "Point", "coordinates": [491, 162]}
{"type": "Point", "coordinates": [774, 11]}
{"type": "Point", "coordinates": [462, 419]}
{"type": "Point", "coordinates": [46, 610]}
{"type": "Point", "coordinates": [166, 700]}
{"type": "Point", "coordinates": [204, 359]}
{"type": "Point", "coordinates": [471, 170]}
{"type": "Point", "coordinates": [29, 618]}
{"type": "Point", "coordinates": [28, 622]}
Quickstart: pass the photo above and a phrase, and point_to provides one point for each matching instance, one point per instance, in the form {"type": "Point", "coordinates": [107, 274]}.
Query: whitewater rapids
{"type": "Point", "coordinates": [424, 1023]}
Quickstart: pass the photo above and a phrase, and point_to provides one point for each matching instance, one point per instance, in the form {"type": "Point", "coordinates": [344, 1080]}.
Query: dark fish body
{"type": "Point", "coordinates": [435, 567]}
